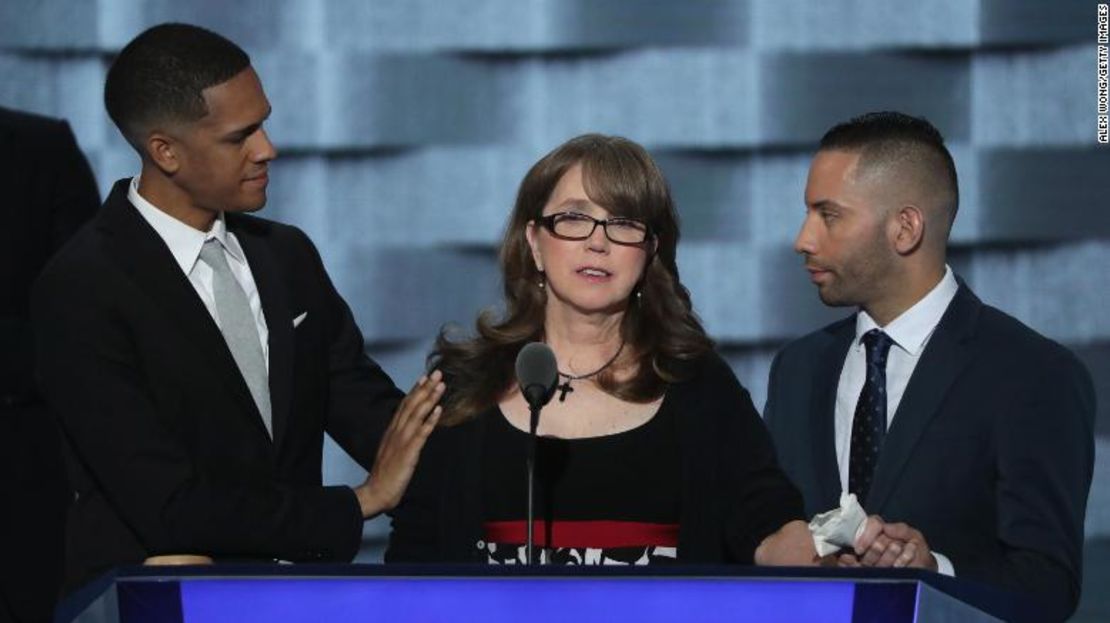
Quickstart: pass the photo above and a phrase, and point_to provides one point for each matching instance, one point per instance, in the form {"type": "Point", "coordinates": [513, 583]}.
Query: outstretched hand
{"type": "Point", "coordinates": [399, 450]}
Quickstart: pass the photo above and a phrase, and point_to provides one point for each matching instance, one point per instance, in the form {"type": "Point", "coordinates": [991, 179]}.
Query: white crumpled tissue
{"type": "Point", "coordinates": [838, 528]}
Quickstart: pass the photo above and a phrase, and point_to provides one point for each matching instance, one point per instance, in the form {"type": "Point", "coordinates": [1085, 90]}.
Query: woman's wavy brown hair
{"type": "Point", "coordinates": [661, 333]}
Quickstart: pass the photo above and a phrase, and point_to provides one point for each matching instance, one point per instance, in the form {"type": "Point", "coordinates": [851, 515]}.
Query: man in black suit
{"type": "Point", "coordinates": [967, 435]}
{"type": "Point", "coordinates": [49, 192]}
{"type": "Point", "coordinates": [196, 355]}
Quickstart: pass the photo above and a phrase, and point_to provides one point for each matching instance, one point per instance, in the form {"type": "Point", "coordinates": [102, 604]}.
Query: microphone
{"type": "Point", "coordinates": [538, 373]}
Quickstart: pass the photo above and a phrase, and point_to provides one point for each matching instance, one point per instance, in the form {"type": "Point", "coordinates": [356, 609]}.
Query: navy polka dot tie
{"type": "Point", "coordinates": [869, 424]}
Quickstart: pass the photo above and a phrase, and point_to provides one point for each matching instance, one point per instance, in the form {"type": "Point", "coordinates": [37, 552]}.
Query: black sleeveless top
{"type": "Point", "coordinates": [612, 499]}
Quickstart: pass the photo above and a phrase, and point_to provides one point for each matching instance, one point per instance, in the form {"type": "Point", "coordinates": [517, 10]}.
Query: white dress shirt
{"type": "Point", "coordinates": [910, 333]}
{"type": "Point", "coordinates": [185, 243]}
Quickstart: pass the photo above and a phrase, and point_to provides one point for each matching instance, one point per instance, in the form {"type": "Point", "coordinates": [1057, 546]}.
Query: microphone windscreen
{"type": "Point", "coordinates": [537, 372]}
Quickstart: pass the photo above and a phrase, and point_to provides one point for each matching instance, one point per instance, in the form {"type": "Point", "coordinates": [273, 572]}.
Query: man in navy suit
{"type": "Point", "coordinates": [965, 434]}
{"type": "Point", "coordinates": [196, 354]}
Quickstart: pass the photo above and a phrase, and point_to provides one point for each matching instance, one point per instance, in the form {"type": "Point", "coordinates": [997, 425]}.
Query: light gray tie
{"type": "Point", "coordinates": [239, 329]}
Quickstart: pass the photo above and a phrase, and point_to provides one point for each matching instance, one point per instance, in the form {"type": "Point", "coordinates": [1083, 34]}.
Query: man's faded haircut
{"type": "Point", "coordinates": [894, 138]}
{"type": "Point", "coordinates": [159, 77]}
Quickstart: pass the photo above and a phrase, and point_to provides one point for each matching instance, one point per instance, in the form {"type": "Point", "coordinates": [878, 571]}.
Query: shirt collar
{"type": "Point", "coordinates": [912, 328]}
{"type": "Point", "coordinates": [183, 241]}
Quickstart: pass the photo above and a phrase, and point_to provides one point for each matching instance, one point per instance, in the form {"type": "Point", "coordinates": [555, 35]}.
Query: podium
{"type": "Point", "coordinates": [402, 593]}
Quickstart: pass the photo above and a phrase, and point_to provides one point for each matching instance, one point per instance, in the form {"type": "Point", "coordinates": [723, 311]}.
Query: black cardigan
{"type": "Point", "coordinates": [733, 493]}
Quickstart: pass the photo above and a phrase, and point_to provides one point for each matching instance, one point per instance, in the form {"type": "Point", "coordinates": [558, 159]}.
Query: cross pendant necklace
{"type": "Point", "coordinates": [565, 388]}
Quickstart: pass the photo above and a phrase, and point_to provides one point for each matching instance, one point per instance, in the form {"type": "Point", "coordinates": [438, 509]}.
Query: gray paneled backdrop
{"type": "Point", "coordinates": [405, 126]}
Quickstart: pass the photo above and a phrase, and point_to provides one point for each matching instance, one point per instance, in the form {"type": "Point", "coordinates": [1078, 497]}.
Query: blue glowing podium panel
{"type": "Point", "coordinates": [220, 594]}
{"type": "Point", "coordinates": [584, 600]}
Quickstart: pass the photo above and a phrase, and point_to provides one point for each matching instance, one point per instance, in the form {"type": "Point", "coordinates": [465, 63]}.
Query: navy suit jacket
{"type": "Point", "coordinates": [989, 455]}
{"type": "Point", "coordinates": [168, 451]}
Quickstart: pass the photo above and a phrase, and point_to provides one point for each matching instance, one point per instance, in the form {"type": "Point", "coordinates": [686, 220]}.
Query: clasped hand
{"type": "Point", "coordinates": [884, 544]}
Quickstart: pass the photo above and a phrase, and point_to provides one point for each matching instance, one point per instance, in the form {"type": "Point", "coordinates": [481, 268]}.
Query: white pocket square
{"type": "Point", "coordinates": [299, 319]}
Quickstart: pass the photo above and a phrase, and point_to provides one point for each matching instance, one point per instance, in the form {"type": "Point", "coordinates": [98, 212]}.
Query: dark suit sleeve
{"type": "Point", "coordinates": [74, 197]}
{"type": "Point", "coordinates": [362, 397]}
{"type": "Point", "coordinates": [771, 418]}
{"type": "Point", "coordinates": [51, 193]}
{"type": "Point", "coordinates": [762, 497]}
{"type": "Point", "coordinates": [1044, 468]}
{"type": "Point", "coordinates": [781, 417]}
{"type": "Point", "coordinates": [90, 370]}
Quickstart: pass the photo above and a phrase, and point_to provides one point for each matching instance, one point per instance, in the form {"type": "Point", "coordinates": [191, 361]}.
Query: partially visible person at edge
{"type": "Point", "coordinates": [650, 451]}
{"type": "Point", "coordinates": [49, 192]}
{"type": "Point", "coordinates": [967, 435]}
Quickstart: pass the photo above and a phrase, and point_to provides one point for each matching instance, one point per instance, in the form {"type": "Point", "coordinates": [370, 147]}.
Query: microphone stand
{"type": "Point", "coordinates": [538, 374]}
{"type": "Point", "coordinates": [533, 424]}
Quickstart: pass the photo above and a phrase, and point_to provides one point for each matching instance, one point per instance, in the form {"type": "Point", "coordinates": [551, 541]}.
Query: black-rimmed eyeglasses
{"type": "Point", "coordinates": [577, 226]}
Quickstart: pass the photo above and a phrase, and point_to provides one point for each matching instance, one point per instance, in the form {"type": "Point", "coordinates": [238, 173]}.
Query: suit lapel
{"type": "Point", "coordinates": [276, 308]}
{"type": "Point", "coordinates": [944, 359]}
{"type": "Point", "coordinates": [829, 364]}
{"type": "Point", "coordinates": [143, 255]}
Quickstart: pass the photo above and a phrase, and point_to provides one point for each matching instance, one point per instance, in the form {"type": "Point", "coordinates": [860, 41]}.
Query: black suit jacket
{"type": "Point", "coordinates": [989, 455]}
{"type": "Point", "coordinates": [49, 191]}
{"type": "Point", "coordinates": [170, 453]}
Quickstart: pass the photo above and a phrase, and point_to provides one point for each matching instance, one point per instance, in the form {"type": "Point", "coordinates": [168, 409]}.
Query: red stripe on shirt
{"type": "Point", "coordinates": [597, 534]}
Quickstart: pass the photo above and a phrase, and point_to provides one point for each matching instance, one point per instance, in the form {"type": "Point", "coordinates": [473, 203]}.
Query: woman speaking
{"type": "Point", "coordinates": [650, 451]}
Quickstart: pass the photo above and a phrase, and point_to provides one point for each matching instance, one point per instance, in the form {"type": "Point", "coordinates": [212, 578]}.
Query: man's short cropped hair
{"type": "Point", "coordinates": [160, 75]}
{"type": "Point", "coordinates": [894, 138]}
